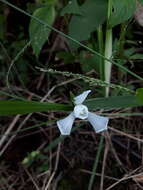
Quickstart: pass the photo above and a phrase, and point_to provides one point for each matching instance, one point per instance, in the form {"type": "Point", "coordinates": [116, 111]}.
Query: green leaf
{"type": "Point", "coordinates": [48, 2]}
{"type": "Point", "coordinates": [139, 94]}
{"type": "Point", "coordinates": [122, 11]}
{"type": "Point", "coordinates": [38, 33]}
{"type": "Point", "coordinates": [141, 1]}
{"type": "Point", "coordinates": [71, 8]}
{"type": "Point", "coordinates": [93, 13]}
{"type": "Point", "coordinates": [66, 56]}
{"type": "Point", "coordinates": [137, 56]}
{"type": "Point", "coordinates": [88, 62]}
{"type": "Point", "coordinates": [113, 102]}
{"type": "Point", "coordinates": [12, 107]}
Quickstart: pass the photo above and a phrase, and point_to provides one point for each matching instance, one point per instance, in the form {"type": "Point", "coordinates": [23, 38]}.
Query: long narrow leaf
{"type": "Point", "coordinates": [12, 107]}
{"type": "Point", "coordinates": [114, 102]}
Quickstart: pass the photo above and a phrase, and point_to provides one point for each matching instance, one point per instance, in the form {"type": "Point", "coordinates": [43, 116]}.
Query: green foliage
{"type": "Point", "coordinates": [11, 107]}
{"type": "Point", "coordinates": [36, 157]}
{"type": "Point", "coordinates": [136, 56]}
{"type": "Point", "coordinates": [113, 102]}
{"type": "Point", "coordinates": [141, 1]}
{"type": "Point", "coordinates": [92, 13]}
{"type": "Point", "coordinates": [38, 33]}
{"type": "Point", "coordinates": [27, 161]}
{"type": "Point", "coordinates": [131, 54]}
{"type": "Point", "coordinates": [139, 94]}
{"type": "Point", "coordinates": [66, 57]}
{"type": "Point", "coordinates": [23, 107]}
{"type": "Point", "coordinates": [88, 62]}
{"type": "Point", "coordinates": [122, 11]}
{"type": "Point", "coordinates": [47, 2]}
{"type": "Point", "coordinates": [89, 16]}
{"type": "Point", "coordinates": [71, 8]}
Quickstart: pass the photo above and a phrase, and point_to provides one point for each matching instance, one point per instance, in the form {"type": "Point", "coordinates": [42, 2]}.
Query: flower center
{"type": "Point", "coordinates": [81, 111]}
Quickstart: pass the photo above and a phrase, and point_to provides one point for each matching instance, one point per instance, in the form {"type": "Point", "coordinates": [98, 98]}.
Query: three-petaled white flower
{"type": "Point", "coordinates": [80, 111]}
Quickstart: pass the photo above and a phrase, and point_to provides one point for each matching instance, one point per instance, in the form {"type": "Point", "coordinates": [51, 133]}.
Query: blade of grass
{"type": "Point", "coordinates": [96, 163]}
{"type": "Point", "coordinates": [74, 40]}
{"type": "Point", "coordinates": [123, 114]}
{"type": "Point", "coordinates": [13, 107]}
{"type": "Point", "coordinates": [14, 60]}
{"type": "Point", "coordinates": [113, 102]}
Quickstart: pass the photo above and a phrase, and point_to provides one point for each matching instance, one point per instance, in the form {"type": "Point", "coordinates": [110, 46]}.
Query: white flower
{"type": "Point", "coordinates": [80, 111]}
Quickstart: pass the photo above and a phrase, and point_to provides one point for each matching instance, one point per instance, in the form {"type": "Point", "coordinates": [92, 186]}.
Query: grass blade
{"type": "Point", "coordinates": [8, 107]}
{"type": "Point", "coordinates": [113, 102]}
{"type": "Point", "coordinates": [96, 162]}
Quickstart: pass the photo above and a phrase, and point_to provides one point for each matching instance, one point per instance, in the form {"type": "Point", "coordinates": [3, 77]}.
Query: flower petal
{"type": "Point", "coordinates": [80, 98]}
{"type": "Point", "coordinates": [65, 125]}
{"type": "Point", "coordinates": [99, 123]}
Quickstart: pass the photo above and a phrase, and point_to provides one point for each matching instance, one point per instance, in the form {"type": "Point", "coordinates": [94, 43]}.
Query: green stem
{"type": "Point", "coordinates": [122, 39]}
{"type": "Point", "coordinates": [100, 44]}
{"type": "Point", "coordinates": [108, 49]}
{"type": "Point", "coordinates": [120, 49]}
{"type": "Point", "coordinates": [96, 163]}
